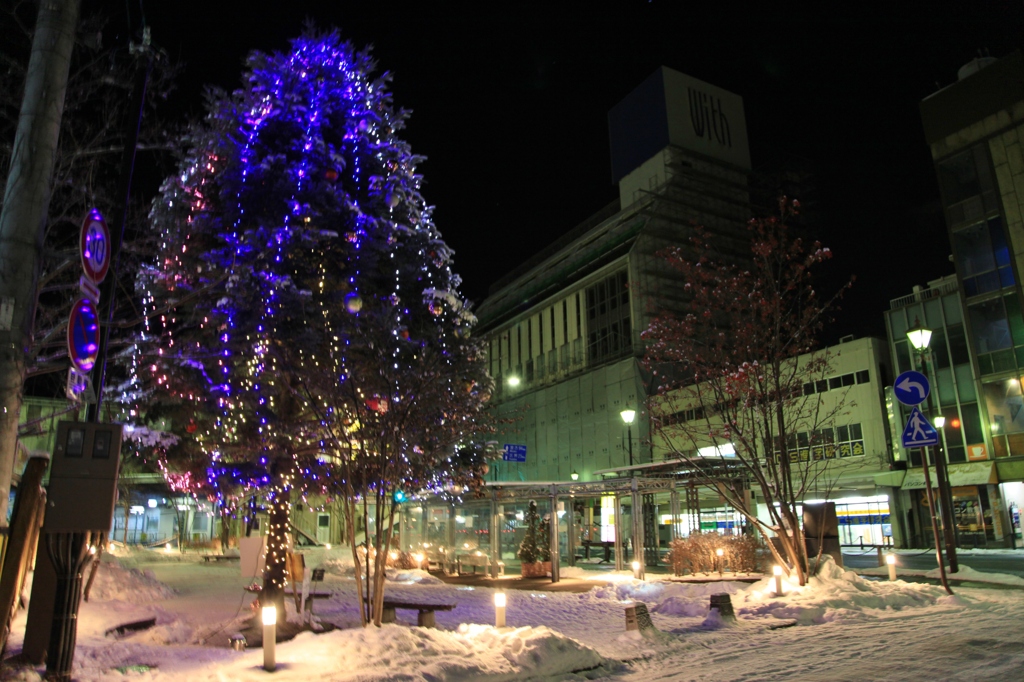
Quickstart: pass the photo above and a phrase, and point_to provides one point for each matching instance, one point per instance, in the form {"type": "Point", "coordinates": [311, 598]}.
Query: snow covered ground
{"type": "Point", "coordinates": [846, 628]}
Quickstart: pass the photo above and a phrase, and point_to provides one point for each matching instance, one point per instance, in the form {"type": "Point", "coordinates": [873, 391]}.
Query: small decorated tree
{"type": "Point", "coordinates": [529, 553]}
{"type": "Point", "coordinates": [544, 540]}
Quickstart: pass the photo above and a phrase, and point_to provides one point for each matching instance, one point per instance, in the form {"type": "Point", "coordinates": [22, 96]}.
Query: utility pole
{"type": "Point", "coordinates": [23, 219]}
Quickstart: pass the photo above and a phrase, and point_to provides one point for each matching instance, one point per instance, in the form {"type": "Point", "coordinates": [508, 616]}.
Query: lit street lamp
{"type": "Point", "coordinates": [920, 337]}
{"type": "Point", "coordinates": [270, 638]}
{"type": "Point", "coordinates": [628, 416]}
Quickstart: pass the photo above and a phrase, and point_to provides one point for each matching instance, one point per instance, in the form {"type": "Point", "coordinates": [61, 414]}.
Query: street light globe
{"type": "Point", "coordinates": [919, 336]}
{"type": "Point", "coordinates": [890, 559]}
{"type": "Point", "coordinates": [627, 416]}
{"type": "Point", "coordinates": [269, 614]}
{"type": "Point", "coordinates": [513, 381]}
{"type": "Point", "coordinates": [719, 552]}
{"type": "Point", "coordinates": [499, 599]}
{"type": "Point", "coordinates": [776, 570]}
{"type": "Point", "coordinates": [939, 422]}
{"type": "Point", "coordinates": [636, 566]}
{"type": "Point", "coordinates": [574, 476]}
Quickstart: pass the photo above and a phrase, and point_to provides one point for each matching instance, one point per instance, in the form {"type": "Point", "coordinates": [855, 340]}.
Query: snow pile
{"type": "Point", "coordinates": [834, 594]}
{"type": "Point", "coordinates": [413, 654]}
{"type": "Point", "coordinates": [412, 576]}
{"type": "Point", "coordinates": [115, 582]}
{"type": "Point", "coordinates": [968, 573]}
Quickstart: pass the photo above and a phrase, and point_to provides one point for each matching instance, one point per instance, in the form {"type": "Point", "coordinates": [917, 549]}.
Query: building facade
{"type": "Point", "coordinates": [839, 441]}
{"type": "Point", "coordinates": [564, 328]}
{"type": "Point", "coordinates": [974, 437]}
{"type": "Point", "coordinates": [975, 131]}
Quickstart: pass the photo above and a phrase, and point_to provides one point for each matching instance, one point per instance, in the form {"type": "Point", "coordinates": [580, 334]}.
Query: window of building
{"type": "Point", "coordinates": [965, 175]}
{"type": "Point", "coordinates": [952, 437]}
{"type": "Point", "coordinates": [565, 321]}
{"type": "Point", "coordinates": [940, 354]}
{"type": "Point", "coordinates": [609, 332]}
{"type": "Point", "coordinates": [903, 361]}
{"type": "Point", "coordinates": [827, 443]}
{"type": "Point", "coordinates": [970, 422]}
{"type": "Point", "coordinates": [990, 326]}
{"type": "Point", "coordinates": [863, 376]}
{"type": "Point", "coordinates": [1005, 405]}
{"type": "Point", "coordinates": [983, 257]}
{"type": "Point", "coordinates": [958, 353]}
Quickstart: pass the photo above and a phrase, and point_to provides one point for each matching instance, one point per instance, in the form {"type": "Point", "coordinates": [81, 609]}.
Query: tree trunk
{"type": "Point", "coordinates": [350, 523]}
{"type": "Point", "coordinates": [276, 567]}
{"type": "Point", "coordinates": [95, 566]}
{"type": "Point", "coordinates": [383, 544]}
{"type": "Point", "coordinates": [127, 518]}
{"type": "Point", "coordinates": [225, 528]}
{"type": "Point", "coordinates": [25, 205]}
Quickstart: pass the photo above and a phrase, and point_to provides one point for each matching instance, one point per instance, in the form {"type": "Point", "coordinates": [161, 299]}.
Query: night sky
{"type": "Point", "coordinates": [510, 102]}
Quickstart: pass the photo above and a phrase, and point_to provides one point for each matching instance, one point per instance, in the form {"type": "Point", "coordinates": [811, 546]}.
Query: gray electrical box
{"type": "Point", "coordinates": [83, 477]}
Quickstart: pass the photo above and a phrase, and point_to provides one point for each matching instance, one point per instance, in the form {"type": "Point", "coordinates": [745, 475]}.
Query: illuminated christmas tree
{"type": "Point", "coordinates": [303, 318]}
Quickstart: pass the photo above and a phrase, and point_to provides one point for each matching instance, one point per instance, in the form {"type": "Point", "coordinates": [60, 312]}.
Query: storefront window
{"type": "Point", "coordinates": [864, 520]}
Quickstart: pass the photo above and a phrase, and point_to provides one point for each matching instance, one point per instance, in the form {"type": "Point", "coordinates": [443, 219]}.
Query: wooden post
{"type": "Point", "coordinates": [495, 535]}
{"type": "Point", "coordinates": [618, 533]}
{"type": "Point", "coordinates": [553, 535]}
{"type": "Point", "coordinates": [23, 529]}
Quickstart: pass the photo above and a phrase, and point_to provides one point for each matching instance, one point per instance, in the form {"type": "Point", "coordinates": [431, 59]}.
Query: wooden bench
{"type": "Point", "coordinates": [473, 560]}
{"type": "Point", "coordinates": [426, 611]}
{"type": "Point", "coordinates": [220, 557]}
{"type": "Point", "coordinates": [587, 544]}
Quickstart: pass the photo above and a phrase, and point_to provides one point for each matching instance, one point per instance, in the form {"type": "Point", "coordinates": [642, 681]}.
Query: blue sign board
{"type": "Point", "coordinates": [911, 388]}
{"type": "Point", "coordinates": [919, 432]}
{"type": "Point", "coordinates": [83, 335]}
{"type": "Point", "coordinates": [514, 453]}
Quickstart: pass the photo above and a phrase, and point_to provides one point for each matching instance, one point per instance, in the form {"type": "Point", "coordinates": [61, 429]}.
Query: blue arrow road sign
{"type": "Point", "coordinates": [918, 432]}
{"type": "Point", "coordinates": [911, 388]}
{"type": "Point", "coordinates": [514, 453]}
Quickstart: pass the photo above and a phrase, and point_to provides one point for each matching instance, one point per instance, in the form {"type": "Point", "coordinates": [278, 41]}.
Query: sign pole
{"type": "Point", "coordinates": [935, 524]}
{"type": "Point", "coordinates": [912, 388]}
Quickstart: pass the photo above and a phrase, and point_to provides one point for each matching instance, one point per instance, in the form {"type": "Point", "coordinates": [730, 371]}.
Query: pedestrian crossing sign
{"type": "Point", "coordinates": [919, 432]}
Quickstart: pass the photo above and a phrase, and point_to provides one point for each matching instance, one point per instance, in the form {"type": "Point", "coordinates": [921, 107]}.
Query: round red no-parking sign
{"type": "Point", "coordinates": [94, 245]}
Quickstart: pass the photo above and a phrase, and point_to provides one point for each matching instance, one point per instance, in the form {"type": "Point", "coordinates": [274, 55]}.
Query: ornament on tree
{"type": "Point", "coordinates": [353, 303]}
{"type": "Point", "coordinates": [191, 426]}
{"type": "Point", "coordinates": [377, 404]}
{"type": "Point", "coordinates": [331, 175]}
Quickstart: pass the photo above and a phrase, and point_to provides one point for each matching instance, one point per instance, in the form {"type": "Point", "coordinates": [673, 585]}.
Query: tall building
{"type": "Point", "coordinates": [564, 328]}
{"type": "Point", "coordinates": [975, 130]}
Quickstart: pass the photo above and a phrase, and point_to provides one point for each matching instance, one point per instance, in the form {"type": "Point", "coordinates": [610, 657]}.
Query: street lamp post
{"type": "Point", "coordinates": [628, 416]}
{"type": "Point", "coordinates": [920, 338]}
